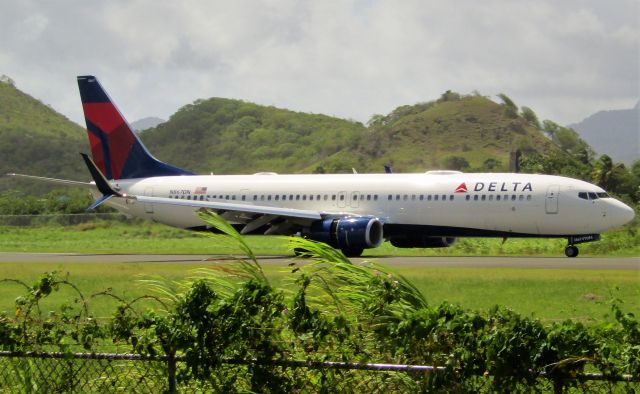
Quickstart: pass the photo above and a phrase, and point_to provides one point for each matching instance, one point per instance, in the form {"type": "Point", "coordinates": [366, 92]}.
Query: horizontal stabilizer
{"type": "Point", "coordinates": [101, 182]}
{"type": "Point", "coordinates": [53, 180]}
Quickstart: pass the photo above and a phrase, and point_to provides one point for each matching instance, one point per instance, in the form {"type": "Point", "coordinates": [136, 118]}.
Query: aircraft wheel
{"type": "Point", "coordinates": [352, 252]}
{"type": "Point", "coordinates": [571, 251]}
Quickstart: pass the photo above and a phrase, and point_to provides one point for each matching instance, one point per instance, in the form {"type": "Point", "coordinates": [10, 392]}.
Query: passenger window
{"type": "Point", "coordinates": [421, 197]}
{"type": "Point", "coordinates": [475, 197]}
{"type": "Point", "coordinates": [483, 197]}
{"type": "Point", "coordinates": [429, 197]}
{"type": "Point", "coordinates": [333, 197]}
{"type": "Point", "coordinates": [413, 197]}
{"type": "Point", "coordinates": [444, 197]}
{"type": "Point", "coordinates": [326, 197]}
{"type": "Point", "coordinates": [498, 197]}
{"type": "Point", "coordinates": [521, 197]}
{"type": "Point", "coordinates": [513, 197]}
{"type": "Point", "coordinates": [318, 197]}
{"type": "Point", "coordinates": [277, 197]}
{"type": "Point", "coordinates": [375, 197]}
{"type": "Point", "coordinates": [368, 197]}
{"type": "Point", "coordinates": [342, 197]}
{"type": "Point", "coordinates": [529, 197]}
{"type": "Point", "coordinates": [435, 198]}
{"type": "Point", "coordinates": [269, 197]}
{"type": "Point", "coordinates": [468, 197]}
{"type": "Point", "coordinates": [490, 197]}
{"type": "Point", "coordinates": [355, 197]}
{"type": "Point", "coordinates": [255, 197]}
{"type": "Point", "coordinates": [304, 197]}
{"type": "Point", "coordinates": [297, 197]}
{"type": "Point", "coordinates": [390, 197]}
{"type": "Point", "coordinates": [243, 197]}
{"type": "Point", "coordinates": [397, 197]}
{"type": "Point", "coordinates": [311, 197]}
{"type": "Point", "coordinates": [451, 197]}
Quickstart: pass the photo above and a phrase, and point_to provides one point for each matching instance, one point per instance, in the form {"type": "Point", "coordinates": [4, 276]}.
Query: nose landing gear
{"type": "Point", "coordinates": [572, 250]}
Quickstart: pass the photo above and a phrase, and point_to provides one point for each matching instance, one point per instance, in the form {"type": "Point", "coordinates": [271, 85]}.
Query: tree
{"type": "Point", "coordinates": [510, 108]}
{"type": "Point", "coordinates": [456, 163]}
{"type": "Point", "coordinates": [530, 116]}
{"type": "Point", "coordinates": [603, 172]}
{"type": "Point", "coordinates": [491, 164]}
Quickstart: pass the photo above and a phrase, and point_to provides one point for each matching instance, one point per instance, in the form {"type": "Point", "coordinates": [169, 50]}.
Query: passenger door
{"type": "Point", "coordinates": [551, 201]}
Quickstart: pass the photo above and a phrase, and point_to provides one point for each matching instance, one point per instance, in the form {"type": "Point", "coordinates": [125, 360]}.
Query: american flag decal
{"type": "Point", "coordinates": [200, 190]}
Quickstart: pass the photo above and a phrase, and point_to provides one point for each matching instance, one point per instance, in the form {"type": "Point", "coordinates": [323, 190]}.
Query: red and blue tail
{"type": "Point", "coordinates": [116, 150]}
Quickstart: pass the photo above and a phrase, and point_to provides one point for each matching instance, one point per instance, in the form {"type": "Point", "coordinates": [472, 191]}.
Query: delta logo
{"type": "Point", "coordinates": [462, 188]}
{"type": "Point", "coordinates": [496, 187]}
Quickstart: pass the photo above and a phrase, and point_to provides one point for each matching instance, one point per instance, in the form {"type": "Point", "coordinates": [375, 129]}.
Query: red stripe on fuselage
{"type": "Point", "coordinates": [107, 118]}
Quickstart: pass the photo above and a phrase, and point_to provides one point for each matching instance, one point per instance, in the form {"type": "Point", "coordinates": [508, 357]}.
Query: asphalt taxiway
{"type": "Point", "coordinates": [593, 263]}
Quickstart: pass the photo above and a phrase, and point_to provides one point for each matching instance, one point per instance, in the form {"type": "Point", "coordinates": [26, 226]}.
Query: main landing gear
{"type": "Point", "coordinates": [572, 250]}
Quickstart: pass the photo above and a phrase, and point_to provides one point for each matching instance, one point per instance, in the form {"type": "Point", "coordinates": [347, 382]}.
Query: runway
{"type": "Point", "coordinates": [591, 263]}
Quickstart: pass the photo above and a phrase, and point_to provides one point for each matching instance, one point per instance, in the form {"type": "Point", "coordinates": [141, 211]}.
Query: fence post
{"type": "Point", "coordinates": [171, 367]}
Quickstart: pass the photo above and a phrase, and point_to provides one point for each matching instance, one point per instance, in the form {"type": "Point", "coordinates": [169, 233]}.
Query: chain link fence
{"type": "Point", "coordinates": [107, 373]}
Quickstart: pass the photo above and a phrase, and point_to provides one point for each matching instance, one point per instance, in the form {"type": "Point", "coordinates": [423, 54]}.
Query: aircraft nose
{"type": "Point", "coordinates": [622, 213]}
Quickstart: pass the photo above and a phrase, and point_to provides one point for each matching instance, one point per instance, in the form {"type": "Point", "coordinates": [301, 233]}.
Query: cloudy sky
{"type": "Point", "coordinates": [352, 59]}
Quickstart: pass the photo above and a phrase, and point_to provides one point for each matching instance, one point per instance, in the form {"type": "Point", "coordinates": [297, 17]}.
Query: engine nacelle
{"type": "Point", "coordinates": [422, 241]}
{"type": "Point", "coordinates": [352, 232]}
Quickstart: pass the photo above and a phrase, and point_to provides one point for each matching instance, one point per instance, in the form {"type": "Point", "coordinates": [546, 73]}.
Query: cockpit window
{"type": "Point", "coordinates": [592, 196]}
{"type": "Point", "coordinates": [583, 195]}
{"type": "Point", "coordinates": [603, 195]}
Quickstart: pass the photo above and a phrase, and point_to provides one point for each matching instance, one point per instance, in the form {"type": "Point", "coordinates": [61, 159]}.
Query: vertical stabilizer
{"type": "Point", "coordinates": [115, 148]}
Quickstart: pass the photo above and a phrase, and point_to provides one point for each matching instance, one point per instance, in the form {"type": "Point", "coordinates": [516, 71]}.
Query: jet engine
{"type": "Point", "coordinates": [422, 241]}
{"type": "Point", "coordinates": [348, 233]}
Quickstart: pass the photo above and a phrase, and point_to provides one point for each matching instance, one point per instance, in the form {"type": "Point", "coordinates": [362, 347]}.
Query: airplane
{"type": "Point", "coordinates": [350, 212]}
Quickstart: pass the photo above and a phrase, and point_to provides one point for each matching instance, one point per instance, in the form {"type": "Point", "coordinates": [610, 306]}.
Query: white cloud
{"type": "Point", "coordinates": [566, 60]}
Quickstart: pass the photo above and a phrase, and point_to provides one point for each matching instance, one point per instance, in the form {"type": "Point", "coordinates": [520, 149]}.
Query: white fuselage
{"type": "Point", "coordinates": [474, 204]}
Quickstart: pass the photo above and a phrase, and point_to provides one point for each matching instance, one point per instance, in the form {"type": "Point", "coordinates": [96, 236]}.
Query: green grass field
{"type": "Point", "coordinates": [549, 294]}
{"type": "Point", "coordinates": [150, 238]}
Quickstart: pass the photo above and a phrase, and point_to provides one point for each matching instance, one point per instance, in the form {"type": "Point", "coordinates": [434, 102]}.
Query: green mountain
{"type": "Point", "coordinates": [455, 132]}
{"type": "Point", "coordinates": [234, 137]}
{"type": "Point", "coordinates": [35, 139]}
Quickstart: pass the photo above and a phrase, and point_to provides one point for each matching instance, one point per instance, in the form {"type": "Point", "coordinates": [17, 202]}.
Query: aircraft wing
{"type": "Point", "coordinates": [54, 180]}
{"type": "Point", "coordinates": [278, 220]}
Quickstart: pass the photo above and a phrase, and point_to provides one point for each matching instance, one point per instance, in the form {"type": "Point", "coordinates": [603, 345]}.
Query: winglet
{"type": "Point", "coordinates": [101, 183]}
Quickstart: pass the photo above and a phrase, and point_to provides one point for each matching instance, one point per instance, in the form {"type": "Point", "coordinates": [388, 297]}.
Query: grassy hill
{"type": "Point", "coordinates": [35, 139]}
{"type": "Point", "coordinates": [231, 137]}
{"type": "Point", "coordinates": [226, 136]}
{"type": "Point", "coordinates": [455, 132]}
{"type": "Point", "coordinates": [234, 137]}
